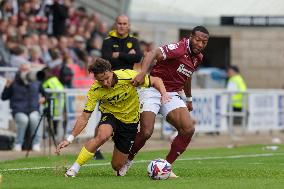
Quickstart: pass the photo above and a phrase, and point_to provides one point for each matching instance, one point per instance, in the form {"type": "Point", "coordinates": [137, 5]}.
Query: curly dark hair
{"type": "Point", "coordinates": [99, 65]}
{"type": "Point", "coordinates": [201, 29]}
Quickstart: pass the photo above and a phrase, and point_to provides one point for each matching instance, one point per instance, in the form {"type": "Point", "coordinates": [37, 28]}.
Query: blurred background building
{"type": "Point", "coordinates": [247, 33]}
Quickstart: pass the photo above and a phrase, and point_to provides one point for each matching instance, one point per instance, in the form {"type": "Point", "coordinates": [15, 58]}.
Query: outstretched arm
{"type": "Point", "coordinates": [79, 126]}
{"type": "Point", "coordinates": [146, 62]}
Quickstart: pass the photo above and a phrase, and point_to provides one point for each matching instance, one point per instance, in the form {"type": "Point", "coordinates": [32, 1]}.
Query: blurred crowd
{"type": "Point", "coordinates": [50, 33]}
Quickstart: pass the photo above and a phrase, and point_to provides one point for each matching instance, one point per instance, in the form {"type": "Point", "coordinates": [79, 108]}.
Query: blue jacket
{"type": "Point", "coordinates": [23, 98]}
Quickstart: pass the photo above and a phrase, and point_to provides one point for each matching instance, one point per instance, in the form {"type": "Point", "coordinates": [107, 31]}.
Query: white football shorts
{"type": "Point", "coordinates": [150, 100]}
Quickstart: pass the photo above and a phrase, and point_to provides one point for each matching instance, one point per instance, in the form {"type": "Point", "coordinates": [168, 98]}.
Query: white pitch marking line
{"type": "Point", "coordinates": [144, 161]}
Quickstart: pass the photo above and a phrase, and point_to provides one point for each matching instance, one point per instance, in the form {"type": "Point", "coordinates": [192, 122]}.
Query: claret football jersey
{"type": "Point", "coordinates": [177, 66]}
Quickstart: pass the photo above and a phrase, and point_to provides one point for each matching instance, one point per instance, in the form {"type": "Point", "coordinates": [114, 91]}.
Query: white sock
{"type": "Point", "coordinates": [76, 167]}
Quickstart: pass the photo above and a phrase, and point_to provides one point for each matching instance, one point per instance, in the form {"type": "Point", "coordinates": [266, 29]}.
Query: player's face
{"type": "Point", "coordinates": [105, 79]}
{"type": "Point", "coordinates": [198, 42]}
{"type": "Point", "coordinates": [122, 25]}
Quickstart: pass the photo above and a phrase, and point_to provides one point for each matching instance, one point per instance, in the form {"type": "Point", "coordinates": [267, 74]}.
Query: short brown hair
{"type": "Point", "coordinates": [99, 65]}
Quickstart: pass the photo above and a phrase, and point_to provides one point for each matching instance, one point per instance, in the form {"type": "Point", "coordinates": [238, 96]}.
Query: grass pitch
{"type": "Point", "coordinates": [249, 167]}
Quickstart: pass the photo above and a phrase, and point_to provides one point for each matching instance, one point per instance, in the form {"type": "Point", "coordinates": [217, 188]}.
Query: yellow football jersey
{"type": "Point", "coordinates": [121, 100]}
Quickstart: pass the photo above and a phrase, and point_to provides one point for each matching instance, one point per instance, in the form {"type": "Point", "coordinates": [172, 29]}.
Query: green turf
{"type": "Point", "coordinates": [206, 168]}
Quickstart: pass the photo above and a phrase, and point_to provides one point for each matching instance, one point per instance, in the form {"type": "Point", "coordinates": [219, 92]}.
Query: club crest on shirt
{"type": "Point", "coordinates": [129, 45]}
{"type": "Point", "coordinates": [184, 71]}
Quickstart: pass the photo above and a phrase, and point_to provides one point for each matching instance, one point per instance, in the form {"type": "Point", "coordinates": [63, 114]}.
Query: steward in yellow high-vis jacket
{"type": "Point", "coordinates": [236, 83]}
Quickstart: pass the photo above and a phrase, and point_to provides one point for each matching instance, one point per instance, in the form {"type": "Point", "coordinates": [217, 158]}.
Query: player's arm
{"type": "Point", "coordinates": [158, 84]}
{"type": "Point", "coordinates": [187, 91]}
{"type": "Point", "coordinates": [82, 119]}
{"type": "Point", "coordinates": [81, 123]}
{"type": "Point", "coordinates": [79, 126]}
{"type": "Point", "coordinates": [146, 63]}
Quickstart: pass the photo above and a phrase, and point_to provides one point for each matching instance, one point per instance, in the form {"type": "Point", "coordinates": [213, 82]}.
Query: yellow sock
{"type": "Point", "coordinates": [84, 156]}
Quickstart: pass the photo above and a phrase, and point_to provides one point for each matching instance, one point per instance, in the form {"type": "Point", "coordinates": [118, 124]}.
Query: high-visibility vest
{"type": "Point", "coordinates": [237, 99]}
{"type": "Point", "coordinates": [55, 84]}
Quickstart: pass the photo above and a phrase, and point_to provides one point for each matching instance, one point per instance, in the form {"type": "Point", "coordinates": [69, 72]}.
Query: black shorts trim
{"type": "Point", "coordinates": [87, 111]}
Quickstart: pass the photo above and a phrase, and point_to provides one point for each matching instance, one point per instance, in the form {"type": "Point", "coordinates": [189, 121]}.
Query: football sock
{"type": "Point", "coordinates": [84, 156]}
{"type": "Point", "coordinates": [138, 144]}
{"type": "Point", "coordinates": [76, 167]}
{"type": "Point", "coordinates": [178, 147]}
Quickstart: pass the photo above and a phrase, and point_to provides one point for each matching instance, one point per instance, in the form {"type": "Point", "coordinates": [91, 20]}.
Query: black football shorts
{"type": "Point", "coordinates": [123, 134]}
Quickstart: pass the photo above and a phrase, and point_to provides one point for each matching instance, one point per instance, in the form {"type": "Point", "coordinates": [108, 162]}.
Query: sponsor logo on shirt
{"type": "Point", "coordinates": [184, 71]}
{"type": "Point", "coordinates": [172, 46]}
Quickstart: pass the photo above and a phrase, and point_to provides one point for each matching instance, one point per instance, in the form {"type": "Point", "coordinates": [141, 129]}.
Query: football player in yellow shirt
{"type": "Point", "coordinates": [119, 104]}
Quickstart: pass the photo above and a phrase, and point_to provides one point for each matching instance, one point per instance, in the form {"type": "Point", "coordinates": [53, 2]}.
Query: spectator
{"type": "Point", "coordinates": [36, 56]}
{"type": "Point", "coordinates": [20, 56]}
{"type": "Point", "coordinates": [120, 48]}
{"type": "Point", "coordinates": [6, 50]}
{"type": "Point", "coordinates": [60, 15]}
{"type": "Point", "coordinates": [236, 83]}
{"type": "Point", "coordinates": [24, 102]}
{"type": "Point", "coordinates": [6, 9]}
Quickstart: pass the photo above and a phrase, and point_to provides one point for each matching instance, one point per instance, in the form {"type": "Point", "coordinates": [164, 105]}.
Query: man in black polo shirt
{"type": "Point", "coordinates": [120, 48]}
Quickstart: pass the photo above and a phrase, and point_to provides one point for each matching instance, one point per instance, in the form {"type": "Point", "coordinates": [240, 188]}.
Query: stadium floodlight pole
{"type": "Point", "coordinates": [48, 114]}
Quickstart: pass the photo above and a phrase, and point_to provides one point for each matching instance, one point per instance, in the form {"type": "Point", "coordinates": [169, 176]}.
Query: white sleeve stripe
{"type": "Point", "coordinates": [163, 52]}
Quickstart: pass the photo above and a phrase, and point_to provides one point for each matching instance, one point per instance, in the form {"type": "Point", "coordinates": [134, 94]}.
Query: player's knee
{"type": "Point", "coordinates": [188, 130]}
{"type": "Point", "coordinates": [146, 133]}
{"type": "Point", "coordinates": [116, 165]}
{"type": "Point", "coordinates": [102, 138]}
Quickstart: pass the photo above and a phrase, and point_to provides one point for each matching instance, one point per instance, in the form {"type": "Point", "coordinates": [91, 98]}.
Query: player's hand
{"type": "Point", "coordinates": [189, 106]}
{"type": "Point", "coordinates": [115, 54]}
{"type": "Point", "coordinates": [138, 80]}
{"type": "Point", "coordinates": [61, 145]}
{"type": "Point", "coordinates": [8, 82]}
{"type": "Point", "coordinates": [165, 98]}
{"type": "Point", "coordinates": [132, 51]}
{"type": "Point", "coordinates": [41, 100]}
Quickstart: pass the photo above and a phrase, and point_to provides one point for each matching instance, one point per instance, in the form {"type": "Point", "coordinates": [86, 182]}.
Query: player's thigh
{"type": "Point", "coordinates": [147, 122]}
{"type": "Point", "coordinates": [177, 114]}
{"type": "Point", "coordinates": [103, 135]}
{"type": "Point", "coordinates": [174, 103]}
{"type": "Point", "coordinates": [106, 125]}
{"type": "Point", "coordinates": [150, 100]}
{"type": "Point", "coordinates": [124, 136]}
{"type": "Point", "coordinates": [150, 104]}
{"type": "Point", "coordinates": [179, 118]}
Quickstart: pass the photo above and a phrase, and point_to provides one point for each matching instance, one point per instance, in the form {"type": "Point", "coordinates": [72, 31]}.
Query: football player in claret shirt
{"type": "Point", "coordinates": [175, 64]}
{"type": "Point", "coordinates": [119, 104]}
